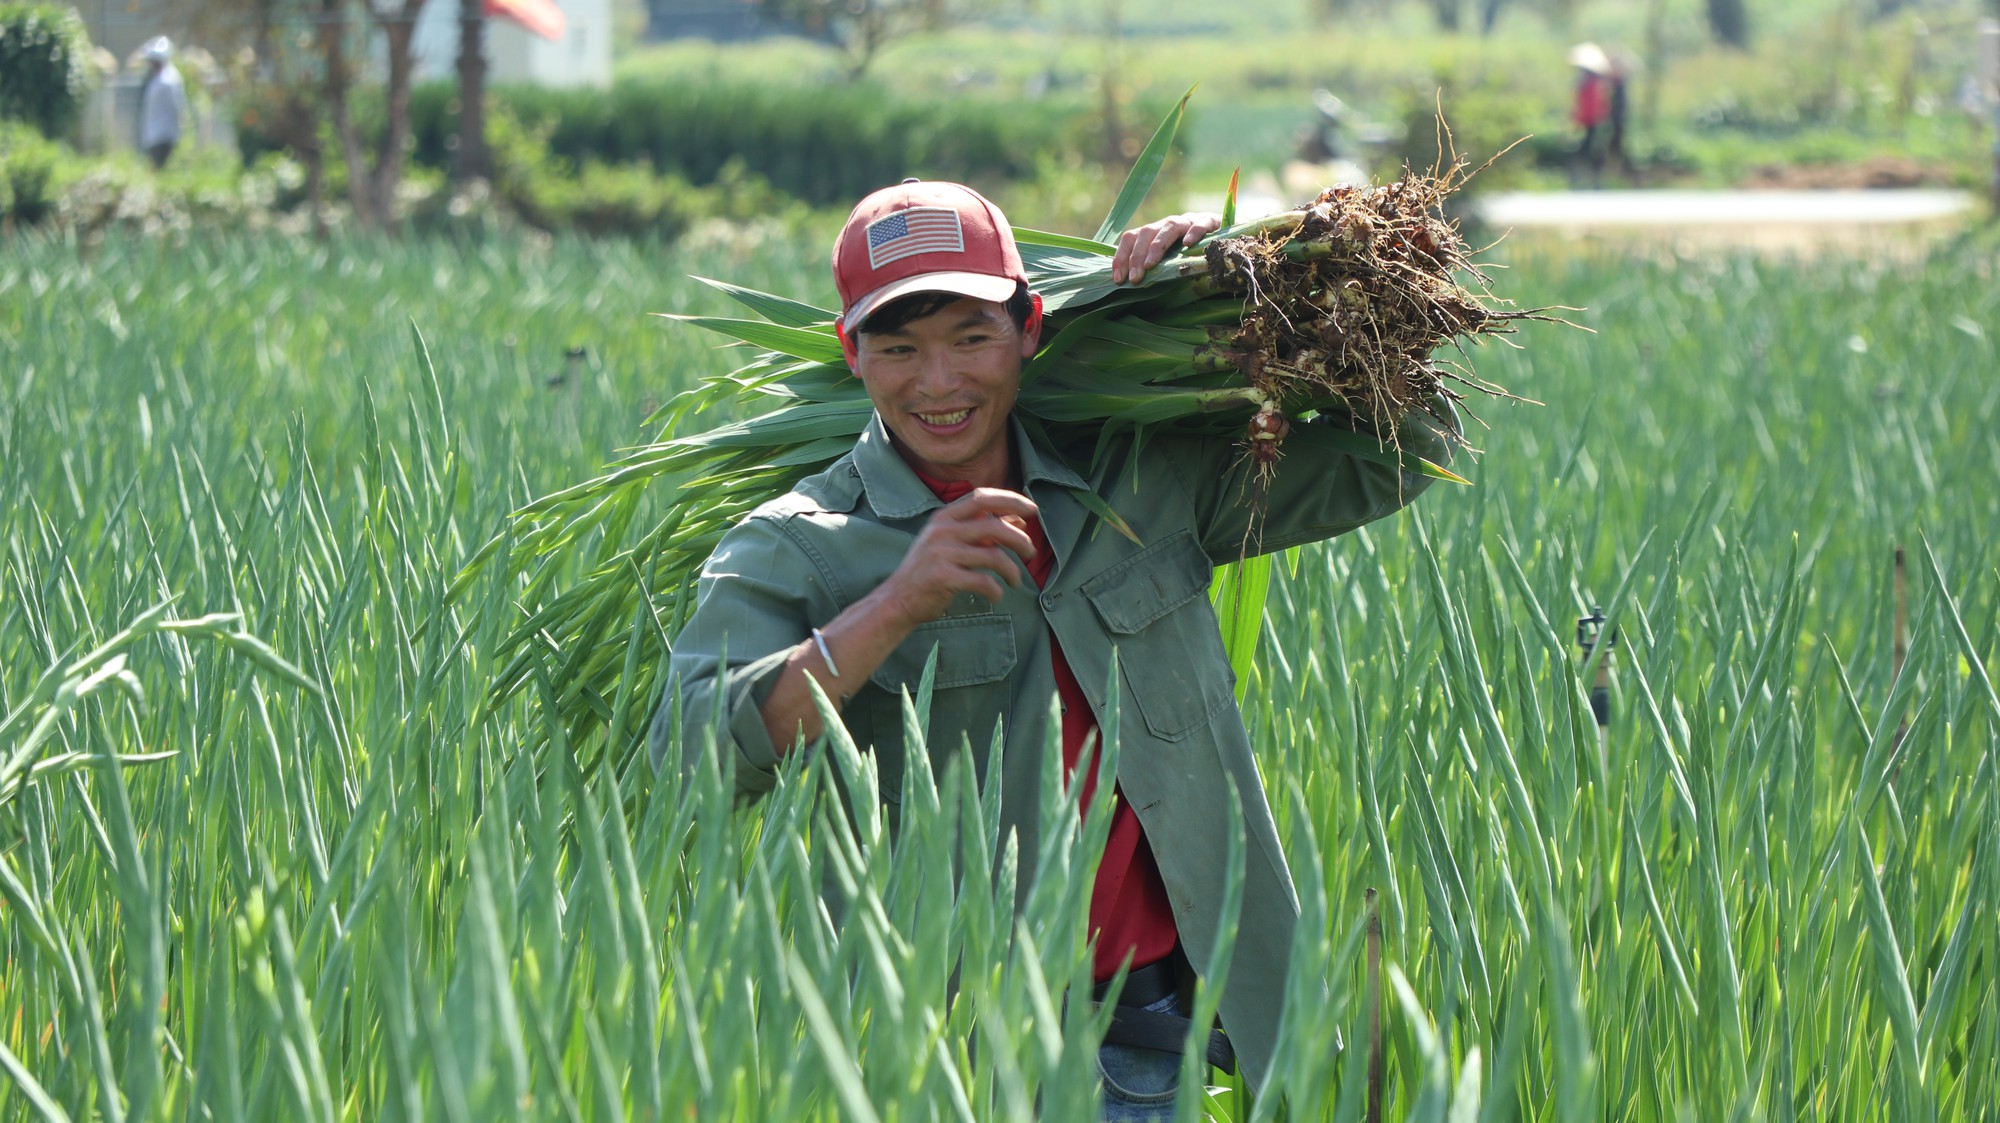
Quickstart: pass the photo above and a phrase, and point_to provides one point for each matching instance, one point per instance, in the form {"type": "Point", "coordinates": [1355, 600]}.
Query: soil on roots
{"type": "Point", "coordinates": [1349, 307]}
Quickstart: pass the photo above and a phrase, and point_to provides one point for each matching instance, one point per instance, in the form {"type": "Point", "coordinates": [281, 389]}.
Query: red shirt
{"type": "Point", "coordinates": [1593, 100]}
{"type": "Point", "coordinates": [1129, 909]}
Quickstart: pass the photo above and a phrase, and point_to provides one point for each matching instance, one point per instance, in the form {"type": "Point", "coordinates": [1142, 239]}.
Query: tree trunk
{"type": "Point", "coordinates": [1108, 82]}
{"type": "Point", "coordinates": [315, 161]}
{"type": "Point", "coordinates": [398, 30]}
{"type": "Point", "coordinates": [1447, 14]}
{"type": "Point", "coordinates": [333, 47]}
{"type": "Point", "coordinates": [471, 160]}
{"type": "Point", "coordinates": [297, 124]}
{"type": "Point", "coordinates": [1729, 21]}
{"type": "Point", "coordinates": [1489, 15]}
{"type": "Point", "coordinates": [864, 39]}
{"type": "Point", "coordinates": [1654, 66]}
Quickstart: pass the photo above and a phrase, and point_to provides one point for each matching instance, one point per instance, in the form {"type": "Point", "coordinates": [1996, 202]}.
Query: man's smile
{"type": "Point", "coordinates": [945, 420]}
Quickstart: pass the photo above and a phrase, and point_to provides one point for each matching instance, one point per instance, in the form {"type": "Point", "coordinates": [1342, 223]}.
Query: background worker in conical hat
{"type": "Point", "coordinates": [1619, 117]}
{"type": "Point", "coordinates": [1591, 111]}
{"type": "Point", "coordinates": [162, 102]}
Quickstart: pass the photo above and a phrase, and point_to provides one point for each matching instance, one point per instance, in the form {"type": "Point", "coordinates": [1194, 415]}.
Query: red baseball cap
{"type": "Point", "coordinates": [923, 237]}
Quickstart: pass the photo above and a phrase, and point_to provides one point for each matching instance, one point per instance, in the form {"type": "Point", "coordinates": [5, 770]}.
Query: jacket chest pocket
{"type": "Point", "coordinates": [973, 653]}
{"type": "Point", "coordinates": [1169, 649]}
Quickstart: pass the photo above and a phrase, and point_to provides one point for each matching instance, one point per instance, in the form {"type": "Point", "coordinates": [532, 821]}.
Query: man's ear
{"type": "Point", "coordinates": [1031, 331]}
{"type": "Point", "coordinates": [847, 348]}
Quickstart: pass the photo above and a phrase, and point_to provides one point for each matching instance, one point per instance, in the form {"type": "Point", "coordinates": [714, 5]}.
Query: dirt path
{"type": "Point", "coordinates": [1897, 221]}
{"type": "Point", "coordinates": [1782, 221]}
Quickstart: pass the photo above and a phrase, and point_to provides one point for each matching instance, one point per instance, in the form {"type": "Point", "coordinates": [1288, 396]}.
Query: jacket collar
{"type": "Point", "coordinates": [895, 492]}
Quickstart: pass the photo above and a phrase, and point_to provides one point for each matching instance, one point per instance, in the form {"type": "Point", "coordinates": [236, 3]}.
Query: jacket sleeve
{"type": "Point", "coordinates": [750, 611]}
{"type": "Point", "coordinates": [1320, 487]}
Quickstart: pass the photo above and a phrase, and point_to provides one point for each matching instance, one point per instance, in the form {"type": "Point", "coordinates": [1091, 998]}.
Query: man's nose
{"type": "Point", "coordinates": [936, 371]}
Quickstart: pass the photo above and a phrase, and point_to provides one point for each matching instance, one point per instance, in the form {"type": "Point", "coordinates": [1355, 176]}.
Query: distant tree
{"type": "Point", "coordinates": [306, 76]}
{"type": "Point", "coordinates": [1449, 13]}
{"type": "Point", "coordinates": [470, 160]}
{"type": "Point", "coordinates": [396, 20]}
{"type": "Point", "coordinates": [44, 54]}
{"type": "Point", "coordinates": [1729, 22]}
{"type": "Point", "coordinates": [863, 27]}
{"type": "Point", "coordinates": [1332, 13]}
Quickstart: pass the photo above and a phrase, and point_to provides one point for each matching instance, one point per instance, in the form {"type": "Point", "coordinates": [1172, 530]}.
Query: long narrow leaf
{"type": "Point", "coordinates": [1145, 170]}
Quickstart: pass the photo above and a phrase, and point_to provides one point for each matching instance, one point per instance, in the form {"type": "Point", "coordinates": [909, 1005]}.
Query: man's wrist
{"type": "Point", "coordinates": [886, 612]}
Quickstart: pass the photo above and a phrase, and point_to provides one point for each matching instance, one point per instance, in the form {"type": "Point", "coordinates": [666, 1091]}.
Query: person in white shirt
{"type": "Point", "coordinates": [162, 103]}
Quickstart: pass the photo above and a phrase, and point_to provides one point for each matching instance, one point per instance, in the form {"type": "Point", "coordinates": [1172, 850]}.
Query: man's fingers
{"type": "Point", "coordinates": [1143, 247]}
{"type": "Point", "coordinates": [989, 531]}
{"type": "Point", "coordinates": [999, 517]}
{"type": "Point", "coordinates": [989, 588]}
{"type": "Point", "coordinates": [1001, 535]}
{"type": "Point", "coordinates": [1121, 262]}
{"type": "Point", "coordinates": [1156, 252]}
{"type": "Point", "coordinates": [995, 501]}
{"type": "Point", "coordinates": [1005, 562]}
{"type": "Point", "coordinates": [984, 567]}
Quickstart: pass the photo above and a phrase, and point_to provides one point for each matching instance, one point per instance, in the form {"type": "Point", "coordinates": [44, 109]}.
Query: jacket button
{"type": "Point", "coordinates": [1049, 601]}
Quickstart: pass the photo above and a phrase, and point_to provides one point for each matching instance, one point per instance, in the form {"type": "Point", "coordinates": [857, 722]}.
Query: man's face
{"type": "Point", "coordinates": [945, 384]}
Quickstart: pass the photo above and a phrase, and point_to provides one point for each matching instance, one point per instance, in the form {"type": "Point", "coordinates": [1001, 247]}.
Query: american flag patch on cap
{"type": "Point", "coordinates": [916, 230]}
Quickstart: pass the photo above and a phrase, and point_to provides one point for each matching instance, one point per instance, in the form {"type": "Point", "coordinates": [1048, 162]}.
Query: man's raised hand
{"type": "Point", "coordinates": [1143, 247]}
{"type": "Point", "coordinates": [969, 546]}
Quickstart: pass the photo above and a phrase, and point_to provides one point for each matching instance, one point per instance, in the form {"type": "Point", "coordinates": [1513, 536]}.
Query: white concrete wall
{"type": "Point", "coordinates": [514, 54]}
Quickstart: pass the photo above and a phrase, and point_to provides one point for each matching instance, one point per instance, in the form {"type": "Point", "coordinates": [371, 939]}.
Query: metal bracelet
{"type": "Point", "coordinates": [825, 655]}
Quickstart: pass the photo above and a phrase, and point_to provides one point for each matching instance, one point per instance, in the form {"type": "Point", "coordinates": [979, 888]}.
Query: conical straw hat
{"type": "Point", "coordinates": [1591, 57]}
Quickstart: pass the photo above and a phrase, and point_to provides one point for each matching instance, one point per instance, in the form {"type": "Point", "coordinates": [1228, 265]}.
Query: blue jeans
{"type": "Point", "coordinates": [1139, 1084]}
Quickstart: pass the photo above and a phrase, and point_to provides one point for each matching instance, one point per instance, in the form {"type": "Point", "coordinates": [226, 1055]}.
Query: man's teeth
{"type": "Point", "coordinates": [952, 418]}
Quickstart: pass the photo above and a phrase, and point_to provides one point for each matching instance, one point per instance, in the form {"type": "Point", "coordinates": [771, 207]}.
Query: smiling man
{"type": "Point", "coordinates": [948, 529]}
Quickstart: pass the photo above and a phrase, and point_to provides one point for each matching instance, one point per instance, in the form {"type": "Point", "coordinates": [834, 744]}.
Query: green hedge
{"type": "Point", "coordinates": [29, 163]}
{"type": "Point", "coordinates": [824, 145]}
{"type": "Point", "coordinates": [43, 52]}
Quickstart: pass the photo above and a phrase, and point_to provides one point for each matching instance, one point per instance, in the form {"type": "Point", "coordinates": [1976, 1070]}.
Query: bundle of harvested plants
{"type": "Point", "coordinates": [1340, 307]}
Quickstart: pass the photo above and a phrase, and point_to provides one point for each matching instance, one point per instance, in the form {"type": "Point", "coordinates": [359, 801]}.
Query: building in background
{"type": "Point", "coordinates": [720, 20]}
{"type": "Point", "coordinates": [528, 42]}
{"type": "Point", "coordinates": [124, 26]}
{"type": "Point", "coordinates": [532, 42]}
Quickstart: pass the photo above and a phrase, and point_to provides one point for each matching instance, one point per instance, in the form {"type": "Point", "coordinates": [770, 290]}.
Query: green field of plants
{"type": "Point", "coordinates": [266, 854]}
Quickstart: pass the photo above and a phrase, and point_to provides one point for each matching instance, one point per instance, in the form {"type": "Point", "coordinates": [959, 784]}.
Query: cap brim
{"type": "Point", "coordinates": [979, 286]}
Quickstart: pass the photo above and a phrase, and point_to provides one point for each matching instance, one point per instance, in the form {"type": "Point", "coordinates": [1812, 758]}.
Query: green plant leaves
{"type": "Point", "coordinates": [1145, 170]}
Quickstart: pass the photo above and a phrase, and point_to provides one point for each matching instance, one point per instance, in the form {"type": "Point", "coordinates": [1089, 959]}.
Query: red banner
{"type": "Point", "coordinates": [539, 16]}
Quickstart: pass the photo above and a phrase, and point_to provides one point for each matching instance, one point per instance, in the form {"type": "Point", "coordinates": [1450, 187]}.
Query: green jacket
{"type": "Point", "coordinates": [797, 561]}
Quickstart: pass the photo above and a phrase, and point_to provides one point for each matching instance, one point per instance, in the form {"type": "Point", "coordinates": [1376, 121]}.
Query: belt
{"type": "Point", "coordinates": [1146, 985]}
{"type": "Point", "coordinates": [1134, 1026]}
